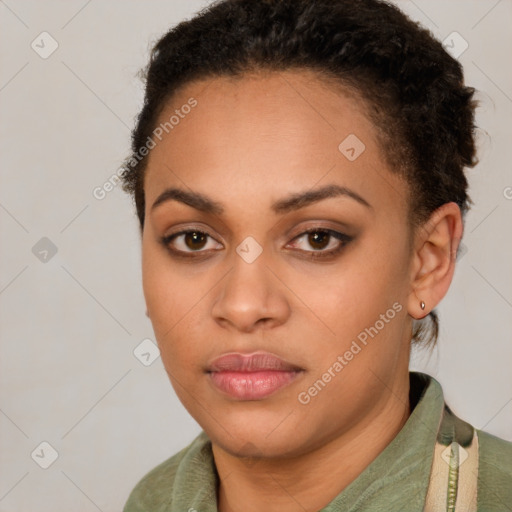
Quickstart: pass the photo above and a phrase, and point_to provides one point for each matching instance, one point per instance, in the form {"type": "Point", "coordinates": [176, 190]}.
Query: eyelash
{"type": "Point", "coordinates": [318, 254]}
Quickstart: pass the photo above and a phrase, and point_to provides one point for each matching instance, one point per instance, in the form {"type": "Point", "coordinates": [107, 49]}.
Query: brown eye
{"type": "Point", "coordinates": [188, 242]}
{"type": "Point", "coordinates": [321, 239]}
{"type": "Point", "coordinates": [195, 239]}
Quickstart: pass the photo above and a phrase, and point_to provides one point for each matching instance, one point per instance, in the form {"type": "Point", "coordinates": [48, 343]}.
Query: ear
{"type": "Point", "coordinates": [433, 265]}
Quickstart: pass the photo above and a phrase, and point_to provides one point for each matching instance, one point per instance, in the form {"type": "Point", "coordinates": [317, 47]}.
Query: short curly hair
{"type": "Point", "coordinates": [411, 88]}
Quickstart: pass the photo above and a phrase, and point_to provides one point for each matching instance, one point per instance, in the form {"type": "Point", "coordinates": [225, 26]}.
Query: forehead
{"type": "Point", "coordinates": [265, 133]}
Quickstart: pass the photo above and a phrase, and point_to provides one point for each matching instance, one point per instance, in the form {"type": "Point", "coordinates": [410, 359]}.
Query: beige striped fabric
{"type": "Point", "coordinates": [454, 473]}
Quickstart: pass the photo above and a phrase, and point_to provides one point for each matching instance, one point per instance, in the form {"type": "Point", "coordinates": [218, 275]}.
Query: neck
{"type": "Point", "coordinates": [311, 481]}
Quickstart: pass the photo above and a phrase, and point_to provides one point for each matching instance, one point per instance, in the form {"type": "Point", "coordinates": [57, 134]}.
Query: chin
{"type": "Point", "coordinates": [263, 435]}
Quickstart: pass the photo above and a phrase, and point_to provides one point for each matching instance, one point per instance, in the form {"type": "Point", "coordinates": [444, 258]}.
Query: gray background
{"type": "Point", "coordinates": [69, 325]}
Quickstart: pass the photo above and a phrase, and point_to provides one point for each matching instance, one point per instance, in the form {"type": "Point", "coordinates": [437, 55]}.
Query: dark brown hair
{"type": "Point", "coordinates": [412, 89]}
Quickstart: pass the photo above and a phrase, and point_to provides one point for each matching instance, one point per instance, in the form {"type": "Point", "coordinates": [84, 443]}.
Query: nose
{"type": "Point", "coordinates": [251, 297]}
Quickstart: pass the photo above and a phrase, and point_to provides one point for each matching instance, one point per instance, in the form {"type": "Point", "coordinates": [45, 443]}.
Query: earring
{"type": "Point", "coordinates": [422, 305]}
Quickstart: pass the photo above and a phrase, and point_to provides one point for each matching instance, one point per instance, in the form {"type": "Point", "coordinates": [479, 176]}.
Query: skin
{"type": "Point", "coordinates": [250, 142]}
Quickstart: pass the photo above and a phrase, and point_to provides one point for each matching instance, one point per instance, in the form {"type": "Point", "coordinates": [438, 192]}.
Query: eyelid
{"type": "Point", "coordinates": [289, 235]}
{"type": "Point", "coordinates": [342, 238]}
{"type": "Point", "coordinates": [167, 238]}
{"type": "Point", "coordinates": [320, 225]}
{"type": "Point", "coordinates": [187, 229]}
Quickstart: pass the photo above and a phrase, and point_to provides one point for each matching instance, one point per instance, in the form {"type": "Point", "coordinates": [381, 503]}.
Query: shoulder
{"type": "Point", "coordinates": [155, 489]}
{"type": "Point", "coordinates": [494, 472]}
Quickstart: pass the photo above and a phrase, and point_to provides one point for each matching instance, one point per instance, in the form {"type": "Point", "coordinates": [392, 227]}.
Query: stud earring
{"type": "Point", "coordinates": [422, 305]}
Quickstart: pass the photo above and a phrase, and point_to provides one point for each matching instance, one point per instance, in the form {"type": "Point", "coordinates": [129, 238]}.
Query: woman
{"type": "Point", "coordinates": [298, 175]}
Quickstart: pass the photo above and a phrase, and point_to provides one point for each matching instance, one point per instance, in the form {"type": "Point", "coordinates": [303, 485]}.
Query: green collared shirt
{"type": "Point", "coordinates": [436, 462]}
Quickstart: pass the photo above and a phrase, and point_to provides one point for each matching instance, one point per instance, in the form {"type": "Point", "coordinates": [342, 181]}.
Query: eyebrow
{"type": "Point", "coordinates": [293, 202]}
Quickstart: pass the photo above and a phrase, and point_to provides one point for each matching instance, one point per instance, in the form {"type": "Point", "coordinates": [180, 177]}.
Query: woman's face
{"type": "Point", "coordinates": [253, 163]}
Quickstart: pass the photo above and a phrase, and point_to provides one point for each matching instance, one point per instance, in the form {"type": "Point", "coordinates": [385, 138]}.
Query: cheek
{"type": "Point", "coordinates": [362, 302]}
{"type": "Point", "coordinates": [166, 292]}
{"type": "Point", "coordinates": [169, 292]}
{"type": "Point", "coordinates": [353, 296]}
{"type": "Point", "coordinates": [174, 299]}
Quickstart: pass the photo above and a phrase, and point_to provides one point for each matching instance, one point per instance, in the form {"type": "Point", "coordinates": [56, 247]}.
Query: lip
{"type": "Point", "coordinates": [251, 376]}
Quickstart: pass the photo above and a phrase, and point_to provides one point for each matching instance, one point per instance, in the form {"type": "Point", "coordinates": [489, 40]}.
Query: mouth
{"type": "Point", "coordinates": [251, 376]}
